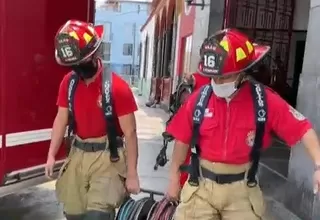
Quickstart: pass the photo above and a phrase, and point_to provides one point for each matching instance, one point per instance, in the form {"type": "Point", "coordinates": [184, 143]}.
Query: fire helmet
{"type": "Point", "coordinates": [229, 52]}
{"type": "Point", "coordinates": [76, 41]}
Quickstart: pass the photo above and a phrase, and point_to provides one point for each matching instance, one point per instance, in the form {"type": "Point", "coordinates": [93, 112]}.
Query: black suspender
{"type": "Point", "coordinates": [73, 82]}
{"type": "Point", "coordinates": [197, 118]}
{"type": "Point", "coordinates": [109, 114]}
{"type": "Point", "coordinates": [260, 107]}
{"type": "Point", "coordinates": [107, 109]}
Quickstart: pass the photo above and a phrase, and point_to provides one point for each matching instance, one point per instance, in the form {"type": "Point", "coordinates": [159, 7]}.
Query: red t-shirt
{"type": "Point", "coordinates": [90, 121]}
{"type": "Point", "coordinates": [228, 129]}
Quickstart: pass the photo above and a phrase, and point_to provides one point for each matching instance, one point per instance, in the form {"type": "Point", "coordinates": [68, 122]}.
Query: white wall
{"type": "Point", "coordinates": [145, 83]}
{"type": "Point", "coordinates": [301, 15]}
{"type": "Point", "coordinates": [147, 31]}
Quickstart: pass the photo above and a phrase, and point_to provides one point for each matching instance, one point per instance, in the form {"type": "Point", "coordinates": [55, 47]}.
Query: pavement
{"type": "Point", "coordinates": [39, 202]}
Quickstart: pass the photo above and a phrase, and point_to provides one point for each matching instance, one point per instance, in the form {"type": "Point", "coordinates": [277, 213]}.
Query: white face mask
{"type": "Point", "coordinates": [224, 90]}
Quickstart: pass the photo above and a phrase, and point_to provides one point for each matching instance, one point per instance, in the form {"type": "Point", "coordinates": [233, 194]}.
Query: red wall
{"type": "Point", "coordinates": [186, 29]}
{"type": "Point", "coordinates": [29, 74]}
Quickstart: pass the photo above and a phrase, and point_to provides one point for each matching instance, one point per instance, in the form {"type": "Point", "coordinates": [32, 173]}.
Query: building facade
{"type": "Point", "coordinates": [290, 28]}
{"type": "Point", "coordinates": [121, 46]}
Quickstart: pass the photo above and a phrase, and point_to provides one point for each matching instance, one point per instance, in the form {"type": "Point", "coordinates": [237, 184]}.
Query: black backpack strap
{"type": "Point", "coordinates": [197, 118]}
{"type": "Point", "coordinates": [107, 105]}
{"type": "Point", "coordinates": [73, 82]}
{"type": "Point", "coordinates": [261, 116]}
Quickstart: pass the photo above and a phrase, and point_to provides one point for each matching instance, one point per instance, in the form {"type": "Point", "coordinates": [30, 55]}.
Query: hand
{"type": "Point", "coordinates": [49, 166]}
{"type": "Point", "coordinates": [173, 191]}
{"type": "Point", "coordinates": [133, 184]}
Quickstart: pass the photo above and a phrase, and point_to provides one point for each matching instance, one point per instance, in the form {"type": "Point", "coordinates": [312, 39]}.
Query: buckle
{"type": "Point", "coordinates": [252, 183]}
{"type": "Point", "coordinates": [218, 179]}
{"type": "Point", "coordinates": [114, 159]}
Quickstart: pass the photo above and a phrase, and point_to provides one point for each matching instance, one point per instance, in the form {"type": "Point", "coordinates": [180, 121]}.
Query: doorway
{"type": "Point", "coordinates": [299, 54]}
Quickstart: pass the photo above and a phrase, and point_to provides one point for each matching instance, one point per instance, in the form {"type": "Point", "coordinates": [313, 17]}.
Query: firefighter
{"type": "Point", "coordinates": [238, 116]}
{"type": "Point", "coordinates": [91, 185]}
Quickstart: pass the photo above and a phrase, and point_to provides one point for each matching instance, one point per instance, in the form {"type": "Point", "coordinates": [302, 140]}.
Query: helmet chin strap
{"type": "Point", "coordinates": [240, 80]}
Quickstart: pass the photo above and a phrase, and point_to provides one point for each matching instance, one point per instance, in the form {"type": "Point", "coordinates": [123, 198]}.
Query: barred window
{"type": "Point", "coordinates": [127, 49]}
{"type": "Point", "coordinates": [105, 51]}
{"type": "Point", "coordinates": [126, 69]}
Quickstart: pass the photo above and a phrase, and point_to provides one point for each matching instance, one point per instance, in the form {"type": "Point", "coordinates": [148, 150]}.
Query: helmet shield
{"type": "Point", "coordinates": [213, 58]}
{"type": "Point", "coordinates": [67, 48]}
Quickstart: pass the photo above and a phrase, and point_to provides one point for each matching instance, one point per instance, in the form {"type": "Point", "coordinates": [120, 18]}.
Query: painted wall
{"type": "Point", "coordinates": [29, 73]}
{"type": "Point", "coordinates": [125, 27]}
{"type": "Point", "coordinates": [145, 82]}
{"type": "Point", "coordinates": [185, 29]}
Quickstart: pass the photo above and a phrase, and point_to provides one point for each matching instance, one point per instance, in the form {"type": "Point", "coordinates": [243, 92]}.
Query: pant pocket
{"type": "Point", "coordinates": [62, 181]}
{"type": "Point", "coordinates": [110, 192]}
{"type": "Point", "coordinates": [121, 164]}
{"type": "Point", "coordinates": [257, 200]}
{"type": "Point", "coordinates": [187, 192]}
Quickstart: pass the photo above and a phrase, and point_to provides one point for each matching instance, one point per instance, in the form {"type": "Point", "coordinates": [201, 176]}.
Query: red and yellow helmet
{"type": "Point", "coordinates": [75, 41]}
{"type": "Point", "coordinates": [229, 52]}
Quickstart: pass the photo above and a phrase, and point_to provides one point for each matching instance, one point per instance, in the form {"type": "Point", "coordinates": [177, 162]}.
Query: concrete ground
{"type": "Point", "coordinates": [39, 202]}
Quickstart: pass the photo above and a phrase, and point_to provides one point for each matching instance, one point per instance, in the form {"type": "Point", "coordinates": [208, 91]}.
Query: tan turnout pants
{"type": "Point", "coordinates": [89, 181]}
{"type": "Point", "coordinates": [212, 201]}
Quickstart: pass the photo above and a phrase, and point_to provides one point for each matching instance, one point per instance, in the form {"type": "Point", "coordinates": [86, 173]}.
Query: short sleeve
{"type": "Point", "coordinates": [124, 101]}
{"type": "Point", "coordinates": [289, 124]}
{"type": "Point", "coordinates": [180, 127]}
{"type": "Point", "coordinates": [62, 100]}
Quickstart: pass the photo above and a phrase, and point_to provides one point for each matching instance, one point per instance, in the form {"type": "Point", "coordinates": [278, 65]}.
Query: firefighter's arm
{"type": "Point", "coordinates": [58, 131]}
{"type": "Point", "coordinates": [180, 128]}
{"type": "Point", "coordinates": [292, 126]}
{"type": "Point", "coordinates": [125, 106]}
{"type": "Point", "coordinates": [311, 142]}
{"type": "Point", "coordinates": [128, 126]}
{"type": "Point", "coordinates": [61, 119]}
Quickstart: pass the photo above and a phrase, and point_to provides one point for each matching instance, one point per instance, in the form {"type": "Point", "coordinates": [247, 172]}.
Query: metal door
{"type": "Point", "coordinates": [266, 21]}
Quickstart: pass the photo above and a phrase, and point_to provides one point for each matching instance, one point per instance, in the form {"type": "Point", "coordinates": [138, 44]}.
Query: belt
{"type": "Point", "coordinates": [89, 147]}
{"type": "Point", "coordinates": [218, 178]}
{"type": "Point", "coordinates": [222, 178]}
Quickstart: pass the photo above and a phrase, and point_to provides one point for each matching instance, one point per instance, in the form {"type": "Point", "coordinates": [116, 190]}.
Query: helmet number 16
{"type": "Point", "coordinates": [209, 61]}
{"type": "Point", "coordinates": [66, 52]}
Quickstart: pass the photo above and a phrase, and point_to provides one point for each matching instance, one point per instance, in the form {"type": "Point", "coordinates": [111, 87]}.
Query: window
{"type": "Point", "coordinates": [126, 69]}
{"type": "Point", "coordinates": [127, 49]}
{"type": "Point", "coordinates": [107, 29]}
{"type": "Point", "coordinates": [109, 5]}
{"type": "Point", "coordinates": [105, 51]}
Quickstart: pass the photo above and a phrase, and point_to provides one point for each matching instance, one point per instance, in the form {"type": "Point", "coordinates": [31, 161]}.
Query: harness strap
{"type": "Point", "coordinates": [109, 114]}
{"type": "Point", "coordinates": [261, 116]}
{"type": "Point", "coordinates": [198, 115]}
{"type": "Point", "coordinates": [73, 82]}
